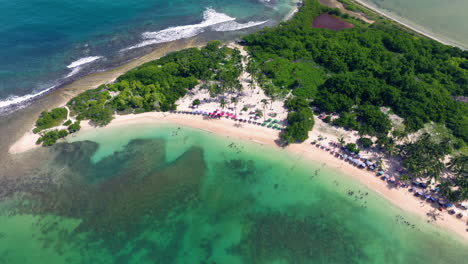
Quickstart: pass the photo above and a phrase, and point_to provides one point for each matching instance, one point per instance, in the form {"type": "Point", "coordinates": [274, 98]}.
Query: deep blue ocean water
{"type": "Point", "coordinates": [45, 43]}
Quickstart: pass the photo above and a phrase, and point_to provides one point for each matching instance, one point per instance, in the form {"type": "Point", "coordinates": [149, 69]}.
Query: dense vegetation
{"type": "Point", "coordinates": [72, 128]}
{"type": "Point", "coordinates": [353, 74]}
{"type": "Point", "coordinates": [356, 73]}
{"type": "Point", "coordinates": [156, 85]}
{"type": "Point", "coordinates": [424, 158]}
{"type": "Point", "coordinates": [49, 119]}
{"type": "Point", "coordinates": [300, 120]}
{"type": "Point", "coordinates": [362, 69]}
{"type": "Point", "coordinates": [50, 137]}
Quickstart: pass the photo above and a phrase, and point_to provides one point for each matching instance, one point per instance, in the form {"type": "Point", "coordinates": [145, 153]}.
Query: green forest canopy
{"type": "Point", "coordinates": [377, 65]}
{"type": "Point", "coordinates": [156, 85]}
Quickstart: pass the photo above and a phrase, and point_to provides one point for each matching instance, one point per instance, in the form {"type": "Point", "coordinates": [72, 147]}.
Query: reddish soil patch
{"type": "Point", "coordinates": [330, 22]}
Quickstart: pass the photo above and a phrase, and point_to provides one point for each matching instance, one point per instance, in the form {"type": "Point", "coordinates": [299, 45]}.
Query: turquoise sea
{"type": "Point", "coordinates": [169, 194]}
{"type": "Point", "coordinates": [45, 44]}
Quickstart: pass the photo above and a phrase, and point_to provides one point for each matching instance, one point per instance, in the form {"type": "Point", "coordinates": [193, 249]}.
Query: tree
{"type": "Point", "coordinates": [365, 142]}
{"type": "Point", "coordinates": [300, 122]}
{"type": "Point", "coordinates": [52, 118]}
{"type": "Point", "coordinates": [235, 101]}
{"type": "Point", "coordinates": [196, 102]}
{"type": "Point", "coordinates": [459, 165]}
{"type": "Point", "coordinates": [341, 141]}
{"type": "Point", "coordinates": [373, 121]}
{"type": "Point", "coordinates": [264, 104]}
{"type": "Point", "coordinates": [423, 158]}
{"type": "Point", "coordinates": [50, 137]}
{"type": "Point", "coordinates": [352, 147]}
{"type": "Point", "coordinates": [222, 103]}
{"type": "Point", "coordinates": [74, 127]}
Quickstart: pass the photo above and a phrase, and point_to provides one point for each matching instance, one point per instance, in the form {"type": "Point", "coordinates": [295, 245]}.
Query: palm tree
{"type": "Point", "coordinates": [273, 97]}
{"type": "Point", "coordinates": [235, 101]}
{"type": "Point", "coordinates": [251, 84]}
{"type": "Point", "coordinates": [265, 103]}
{"type": "Point", "coordinates": [341, 141]}
{"type": "Point", "coordinates": [222, 103]}
{"type": "Point", "coordinates": [458, 165]}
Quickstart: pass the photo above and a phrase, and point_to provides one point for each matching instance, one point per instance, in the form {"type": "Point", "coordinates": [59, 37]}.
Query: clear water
{"type": "Point", "coordinates": [46, 43]}
{"type": "Point", "coordinates": [445, 19]}
{"type": "Point", "coordinates": [166, 194]}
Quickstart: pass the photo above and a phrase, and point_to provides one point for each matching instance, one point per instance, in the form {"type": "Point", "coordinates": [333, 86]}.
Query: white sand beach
{"type": "Point", "coordinates": [250, 100]}
{"type": "Point", "coordinates": [262, 135]}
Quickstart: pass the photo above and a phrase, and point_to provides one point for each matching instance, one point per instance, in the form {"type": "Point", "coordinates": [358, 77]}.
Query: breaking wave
{"type": "Point", "coordinates": [15, 100]}
{"type": "Point", "coordinates": [212, 20]}
{"type": "Point", "coordinates": [18, 100]}
{"type": "Point", "coordinates": [83, 61]}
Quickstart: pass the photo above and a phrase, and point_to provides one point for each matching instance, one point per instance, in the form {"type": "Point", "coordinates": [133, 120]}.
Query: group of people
{"type": "Point", "coordinates": [252, 119]}
{"type": "Point", "coordinates": [420, 189]}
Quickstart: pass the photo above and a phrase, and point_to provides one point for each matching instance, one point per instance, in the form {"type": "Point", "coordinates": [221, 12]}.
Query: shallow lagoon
{"type": "Point", "coordinates": [147, 194]}
{"type": "Point", "coordinates": [446, 19]}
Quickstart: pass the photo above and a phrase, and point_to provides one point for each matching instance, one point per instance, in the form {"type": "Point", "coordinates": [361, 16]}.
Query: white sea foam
{"type": "Point", "coordinates": [232, 26]}
{"type": "Point", "coordinates": [18, 100]}
{"type": "Point", "coordinates": [73, 72]}
{"type": "Point", "coordinates": [212, 20]}
{"type": "Point", "coordinates": [15, 101]}
{"type": "Point", "coordinates": [83, 61]}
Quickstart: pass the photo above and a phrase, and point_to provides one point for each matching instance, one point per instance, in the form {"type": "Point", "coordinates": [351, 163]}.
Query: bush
{"type": "Point", "coordinates": [51, 119]}
{"type": "Point", "coordinates": [347, 120]}
{"type": "Point", "coordinates": [67, 123]}
{"type": "Point", "coordinates": [373, 121]}
{"type": "Point", "coordinates": [74, 127]}
{"type": "Point", "coordinates": [50, 137]}
{"type": "Point", "coordinates": [300, 121]}
{"type": "Point", "coordinates": [196, 102]}
{"type": "Point", "coordinates": [335, 12]}
{"type": "Point", "coordinates": [365, 142]}
{"type": "Point", "coordinates": [352, 148]}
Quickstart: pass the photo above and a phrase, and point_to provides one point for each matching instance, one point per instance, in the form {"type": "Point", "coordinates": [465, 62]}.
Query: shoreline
{"type": "Point", "coordinates": [259, 135]}
{"type": "Point", "coordinates": [399, 197]}
{"type": "Point", "coordinates": [406, 24]}
{"type": "Point", "coordinates": [19, 102]}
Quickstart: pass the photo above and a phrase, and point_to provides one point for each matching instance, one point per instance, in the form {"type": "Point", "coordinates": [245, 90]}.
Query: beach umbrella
{"type": "Point", "coordinates": [269, 120]}
{"type": "Point", "coordinates": [275, 121]}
